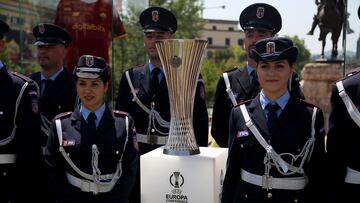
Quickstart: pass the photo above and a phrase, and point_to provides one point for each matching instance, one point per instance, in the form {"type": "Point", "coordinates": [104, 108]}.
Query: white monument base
{"type": "Point", "coordinates": [183, 179]}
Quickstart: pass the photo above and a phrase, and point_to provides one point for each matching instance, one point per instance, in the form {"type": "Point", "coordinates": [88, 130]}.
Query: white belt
{"type": "Point", "coordinates": [293, 183]}
{"type": "Point", "coordinates": [7, 158]}
{"type": "Point", "coordinates": [89, 186]}
{"type": "Point", "coordinates": [151, 139]}
{"type": "Point", "coordinates": [352, 176]}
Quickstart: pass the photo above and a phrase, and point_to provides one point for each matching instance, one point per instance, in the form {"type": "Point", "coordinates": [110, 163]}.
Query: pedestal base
{"type": "Point", "coordinates": [183, 179]}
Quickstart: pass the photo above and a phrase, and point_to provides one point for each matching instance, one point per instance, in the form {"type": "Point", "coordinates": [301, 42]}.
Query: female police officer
{"type": "Point", "coordinates": [92, 152]}
{"type": "Point", "coordinates": [276, 139]}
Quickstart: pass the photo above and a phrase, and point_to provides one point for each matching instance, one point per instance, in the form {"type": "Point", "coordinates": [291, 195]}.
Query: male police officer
{"type": "Point", "coordinates": [143, 91]}
{"type": "Point", "coordinates": [343, 139]}
{"type": "Point", "coordinates": [57, 86]}
{"type": "Point", "coordinates": [258, 21]}
{"type": "Point", "coordinates": [19, 134]}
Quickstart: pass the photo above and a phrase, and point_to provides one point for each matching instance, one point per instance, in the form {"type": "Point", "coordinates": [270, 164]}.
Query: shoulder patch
{"type": "Point", "coordinates": [63, 115]}
{"type": "Point", "coordinates": [120, 113]}
{"type": "Point", "coordinates": [244, 102]}
{"type": "Point", "coordinates": [21, 76]}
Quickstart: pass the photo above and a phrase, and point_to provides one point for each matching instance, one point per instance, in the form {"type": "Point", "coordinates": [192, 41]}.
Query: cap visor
{"type": "Point", "coordinates": [87, 75]}
{"type": "Point", "coordinates": [42, 43]}
{"type": "Point", "coordinates": [155, 30]}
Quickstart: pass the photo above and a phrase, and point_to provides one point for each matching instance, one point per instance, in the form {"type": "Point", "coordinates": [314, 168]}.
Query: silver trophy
{"type": "Point", "coordinates": [181, 59]}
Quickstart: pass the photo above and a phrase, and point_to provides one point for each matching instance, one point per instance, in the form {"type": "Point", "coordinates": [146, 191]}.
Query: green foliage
{"type": "Point", "coordinates": [304, 55]}
{"type": "Point", "coordinates": [210, 73]}
{"type": "Point", "coordinates": [188, 15]}
{"type": "Point", "coordinates": [223, 60]}
{"type": "Point", "coordinates": [25, 69]}
{"type": "Point", "coordinates": [129, 52]}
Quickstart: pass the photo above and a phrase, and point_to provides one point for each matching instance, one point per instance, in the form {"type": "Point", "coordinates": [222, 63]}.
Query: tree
{"type": "Point", "coordinates": [224, 60]}
{"type": "Point", "coordinates": [130, 52]}
{"type": "Point", "coordinates": [188, 15]}
{"type": "Point", "coordinates": [304, 55]}
{"type": "Point", "coordinates": [210, 73]}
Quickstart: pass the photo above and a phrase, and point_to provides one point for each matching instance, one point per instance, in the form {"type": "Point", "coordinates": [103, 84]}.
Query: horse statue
{"type": "Point", "coordinates": [329, 19]}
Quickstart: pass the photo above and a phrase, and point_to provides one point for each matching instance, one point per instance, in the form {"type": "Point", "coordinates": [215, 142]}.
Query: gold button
{"type": "Point", "coordinates": [295, 200]}
{"type": "Point", "coordinates": [246, 196]}
{"type": "Point", "coordinates": [269, 195]}
{"type": "Point", "coordinates": [152, 130]}
{"type": "Point", "coordinates": [242, 146]}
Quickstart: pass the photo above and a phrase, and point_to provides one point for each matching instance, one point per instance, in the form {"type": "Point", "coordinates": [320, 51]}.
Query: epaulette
{"type": "Point", "coordinates": [120, 113]}
{"type": "Point", "coordinates": [308, 103]}
{"type": "Point", "coordinates": [138, 66]}
{"type": "Point", "coordinates": [21, 76]}
{"type": "Point", "coordinates": [351, 73]}
{"type": "Point", "coordinates": [63, 115]}
{"type": "Point", "coordinates": [233, 69]}
{"type": "Point", "coordinates": [244, 102]}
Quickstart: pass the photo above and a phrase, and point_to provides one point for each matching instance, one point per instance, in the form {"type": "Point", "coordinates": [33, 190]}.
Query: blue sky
{"type": "Point", "coordinates": [297, 18]}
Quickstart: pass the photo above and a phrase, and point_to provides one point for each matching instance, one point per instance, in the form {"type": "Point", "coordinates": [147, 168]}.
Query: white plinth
{"type": "Point", "coordinates": [183, 179]}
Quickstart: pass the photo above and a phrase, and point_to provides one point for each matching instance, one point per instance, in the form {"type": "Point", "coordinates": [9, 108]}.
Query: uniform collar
{"type": "Point", "coordinates": [99, 112]}
{"type": "Point", "coordinates": [249, 69]}
{"type": "Point", "coordinates": [281, 101]}
{"type": "Point", "coordinates": [54, 76]}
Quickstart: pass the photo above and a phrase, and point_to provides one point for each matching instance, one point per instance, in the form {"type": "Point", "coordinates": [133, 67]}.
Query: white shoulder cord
{"type": "Point", "coordinates": [228, 89]}
{"type": "Point", "coordinates": [18, 100]}
{"type": "Point", "coordinates": [153, 114]}
{"type": "Point", "coordinates": [272, 154]}
{"type": "Point", "coordinates": [96, 176]}
{"type": "Point", "coordinates": [45, 123]}
{"type": "Point", "coordinates": [351, 108]}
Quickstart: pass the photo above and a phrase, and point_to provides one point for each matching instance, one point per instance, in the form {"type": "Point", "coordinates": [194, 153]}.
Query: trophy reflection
{"type": "Point", "coordinates": [182, 59]}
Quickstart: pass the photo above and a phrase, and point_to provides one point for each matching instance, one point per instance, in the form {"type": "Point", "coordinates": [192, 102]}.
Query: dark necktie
{"type": "Point", "coordinates": [91, 122]}
{"type": "Point", "coordinates": [154, 86]}
{"type": "Point", "coordinates": [47, 87]}
{"type": "Point", "coordinates": [254, 81]}
{"type": "Point", "coordinates": [272, 117]}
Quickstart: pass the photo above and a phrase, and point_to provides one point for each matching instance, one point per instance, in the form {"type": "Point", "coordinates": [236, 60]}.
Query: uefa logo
{"type": "Point", "coordinates": [176, 180]}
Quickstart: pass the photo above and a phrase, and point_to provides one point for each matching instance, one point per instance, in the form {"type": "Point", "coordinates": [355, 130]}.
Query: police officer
{"type": "Point", "coordinates": [143, 91]}
{"type": "Point", "coordinates": [56, 85]}
{"type": "Point", "coordinates": [258, 21]}
{"type": "Point", "coordinates": [19, 134]}
{"type": "Point", "coordinates": [98, 153]}
{"type": "Point", "coordinates": [276, 148]}
{"type": "Point", "coordinates": [343, 138]}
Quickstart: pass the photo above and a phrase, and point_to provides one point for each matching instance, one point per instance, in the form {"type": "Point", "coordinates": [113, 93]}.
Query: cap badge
{"type": "Point", "coordinates": [89, 60]}
{"type": "Point", "coordinates": [41, 28]}
{"type": "Point", "coordinates": [155, 15]}
{"type": "Point", "coordinates": [260, 12]}
{"type": "Point", "coordinates": [270, 48]}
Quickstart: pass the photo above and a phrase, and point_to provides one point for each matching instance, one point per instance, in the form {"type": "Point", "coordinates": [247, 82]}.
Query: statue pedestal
{"type": "Point", "coordinates": [318, 79]}
{"type": "Point", "coordinates": [183, 179]}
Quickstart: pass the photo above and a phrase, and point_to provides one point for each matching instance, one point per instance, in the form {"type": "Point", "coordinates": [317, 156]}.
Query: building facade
{"type": "Point", "coordinates": [221, 34]}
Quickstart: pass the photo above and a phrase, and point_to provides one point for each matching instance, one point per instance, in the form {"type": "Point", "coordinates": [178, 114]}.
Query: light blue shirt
{"type": "Point", "coordinates": [281, 101]}
{"type": "Point", "coordinates": [52, 78]}
{"type": "Point", "coordinates": [99, 112]}
{"type": "Point", "coordinates": [161, 73]}
{"type": "Point", "coordinates": [249, 71]}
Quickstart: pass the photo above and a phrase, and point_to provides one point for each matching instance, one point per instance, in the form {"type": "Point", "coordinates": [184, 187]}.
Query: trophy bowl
{"type": "Point", "coordinates": [181, 59]}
